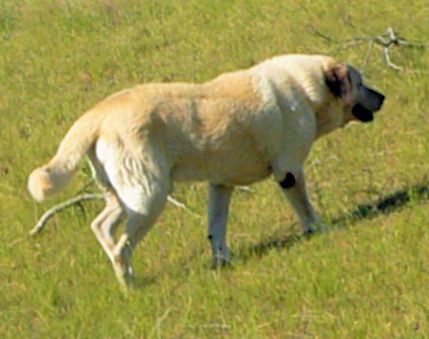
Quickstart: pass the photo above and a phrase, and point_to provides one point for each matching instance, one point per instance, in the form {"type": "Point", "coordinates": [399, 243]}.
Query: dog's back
{"type": "Point", "coordinates": [204, 131]}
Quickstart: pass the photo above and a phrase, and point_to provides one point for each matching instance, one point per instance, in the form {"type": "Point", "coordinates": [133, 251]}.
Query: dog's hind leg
{"type": "Point", "coordinates": [106, 223]}
{"type": "Point", "coordinates": [144, 198]}
{"type": "Point", "coordinates": [219, 199]}
{"type": "Point", "coordinates": [139, 174]}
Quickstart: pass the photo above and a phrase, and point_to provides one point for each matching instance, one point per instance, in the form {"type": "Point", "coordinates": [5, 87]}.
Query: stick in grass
{"type": "Point", "coordinates": [85, 197]}
{"type": "Point", "coordinates": [387, 41]}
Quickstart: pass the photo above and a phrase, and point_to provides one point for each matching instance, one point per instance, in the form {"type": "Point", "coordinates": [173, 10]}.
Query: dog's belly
{"type": "Point", "coordinates": [226, 169]}
{"type": "Point", "coordinates": [239, 173]}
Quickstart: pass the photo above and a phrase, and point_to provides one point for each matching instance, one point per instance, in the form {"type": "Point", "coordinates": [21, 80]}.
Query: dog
{"type": "Point", "coordinates": [236, 129]}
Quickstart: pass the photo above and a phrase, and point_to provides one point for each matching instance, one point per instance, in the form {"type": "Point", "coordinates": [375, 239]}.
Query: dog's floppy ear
{"type": "Point", "coordinates": [338, 80]}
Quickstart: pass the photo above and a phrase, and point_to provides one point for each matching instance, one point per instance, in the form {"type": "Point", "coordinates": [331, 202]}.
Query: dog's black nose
{"type": "Point", "coordinates": [381, 98]}
{"type": "Point", "coordinates": [376, 100]}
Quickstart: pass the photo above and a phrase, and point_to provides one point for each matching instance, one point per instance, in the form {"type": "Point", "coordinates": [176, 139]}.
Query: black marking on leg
{"type": "Point", "coordinates": [288, 182]}
{"type": "Point", "coordinates": [210, 237]}
{"type": "Point", "coordinates": [309, 233]}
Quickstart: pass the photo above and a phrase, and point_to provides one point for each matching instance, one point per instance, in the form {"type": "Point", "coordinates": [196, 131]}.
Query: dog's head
{"type": "Point", "coordinates": [358, 101]}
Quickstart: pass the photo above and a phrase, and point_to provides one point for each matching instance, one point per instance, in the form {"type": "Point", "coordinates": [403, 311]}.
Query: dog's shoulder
{"type": "Point", "coordinates": [294, 79]}
{"type": "Point", "coordinates": [237, 85]}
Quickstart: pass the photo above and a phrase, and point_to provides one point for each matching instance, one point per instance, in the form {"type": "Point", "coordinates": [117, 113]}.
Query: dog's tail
{"type": "Point", "coordinates": [54, 176]}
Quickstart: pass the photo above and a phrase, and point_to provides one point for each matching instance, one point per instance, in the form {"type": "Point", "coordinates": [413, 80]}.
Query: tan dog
{"type": "Point", "coordinates": [237, 129]}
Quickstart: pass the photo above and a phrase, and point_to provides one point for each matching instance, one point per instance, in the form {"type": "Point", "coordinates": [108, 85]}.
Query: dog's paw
{"type": "Point", "coordinates": [221, 259]}
{"type": "Point", "coordinates": [124, 273]}
{"type": "Point", "coordinates": [318, 227]}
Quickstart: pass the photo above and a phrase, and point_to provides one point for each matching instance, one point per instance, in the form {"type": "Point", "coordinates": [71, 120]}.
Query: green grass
{"type": "Point", "coordinates": [366, 277]}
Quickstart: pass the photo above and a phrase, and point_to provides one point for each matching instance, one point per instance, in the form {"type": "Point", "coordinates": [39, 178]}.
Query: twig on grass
{"type": "Point", "coordinates": [245, 189]}
{"type": "Point", "coordinates": [60, 207]}
{"type": "Point", "coordinates": [386, 41]}
{"type": "Point", "coordinates": [85, 197]}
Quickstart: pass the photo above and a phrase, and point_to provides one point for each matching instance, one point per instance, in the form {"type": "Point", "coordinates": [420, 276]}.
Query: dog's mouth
{"type": "Point", "coordinates": [371, 101]}
{"type": "Point", "coordinates": [363, 114]}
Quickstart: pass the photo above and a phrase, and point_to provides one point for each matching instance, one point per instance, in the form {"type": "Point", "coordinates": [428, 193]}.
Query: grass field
{"type": "Point", "coordinates": [367, 277]}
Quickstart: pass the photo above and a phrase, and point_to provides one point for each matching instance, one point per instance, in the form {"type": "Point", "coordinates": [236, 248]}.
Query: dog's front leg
{"type": "Point", "coordinates": [294, 187]}
{"type": "Point", "coordinates": [219, 198]}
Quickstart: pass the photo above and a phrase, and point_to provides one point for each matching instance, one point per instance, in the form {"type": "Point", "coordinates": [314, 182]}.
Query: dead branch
{"type": "Point", "coordinates": [181, 205]}
{"type": "Point", "coordinates": [60, 207]}
{"type": "Point", "coordinates": [99, 196]}
{"type": "Point", "coordinates": [386, 41]}
{"type": "Point", "coordinates": [85, 197]}
{"type": "Point", "coordinates": [245, 189]}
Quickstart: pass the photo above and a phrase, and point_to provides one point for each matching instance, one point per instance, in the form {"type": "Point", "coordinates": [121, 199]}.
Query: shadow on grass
{"type": "Point", "coordinates": [384, 206]}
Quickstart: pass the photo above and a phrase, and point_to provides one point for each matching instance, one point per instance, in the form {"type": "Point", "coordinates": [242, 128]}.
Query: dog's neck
{"type": "Point", "coordinates": [327, 118]}
{"type": "Point", "coordinates": [328, 109]}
